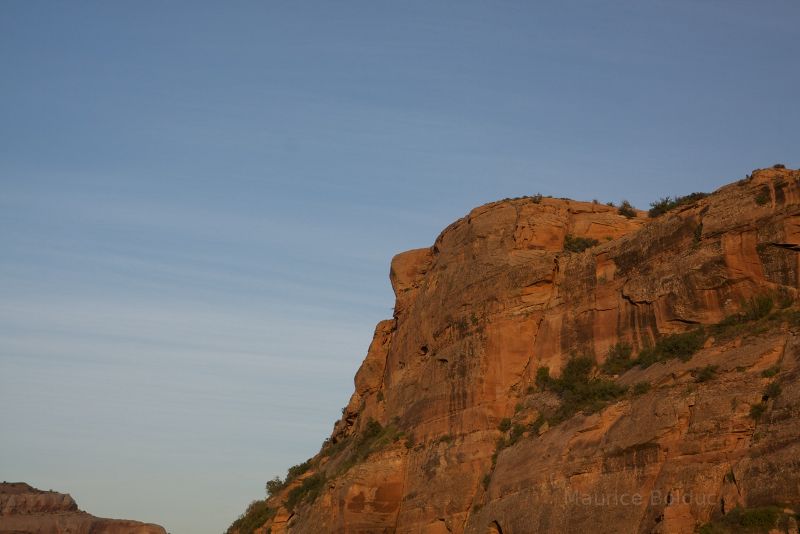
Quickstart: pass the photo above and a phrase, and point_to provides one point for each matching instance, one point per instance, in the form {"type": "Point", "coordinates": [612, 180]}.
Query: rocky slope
{"type": "Point", "coordinates": [27, 510]}
{"type": "Point", "coordinates": [642, 379]}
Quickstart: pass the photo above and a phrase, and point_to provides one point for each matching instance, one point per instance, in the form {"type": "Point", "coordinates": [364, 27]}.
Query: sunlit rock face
{"type": "Point", "coordinates": [498, 297]}
{"type": "Point", "coordinates": [27, 510]}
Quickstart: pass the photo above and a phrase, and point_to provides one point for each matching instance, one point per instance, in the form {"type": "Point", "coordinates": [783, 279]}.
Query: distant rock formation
{"type": "Point", "coordinates": [27, 510]}
{"type": "Point", "coordinates": [557, 366]}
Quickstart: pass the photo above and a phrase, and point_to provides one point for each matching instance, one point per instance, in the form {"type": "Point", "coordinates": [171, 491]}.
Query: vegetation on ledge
{"type": "Point", "coordinates": [663, 205]}
{"type": "Point", "coordinates": [627, 210]}
{"type": "Point", "coordinates": [577, 389]}
{"type": "Point", "coordinates": [255, 516]}
{"type": "Point", "coordinates": [578, 244]}
{"type": "Point", "coordinates": [748, 520]}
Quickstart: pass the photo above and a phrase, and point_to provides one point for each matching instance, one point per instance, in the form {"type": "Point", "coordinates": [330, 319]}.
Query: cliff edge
{"type": "Point", "coordinates": [562, 366]}
{"type": "Point", "coordinates": [27, 510]}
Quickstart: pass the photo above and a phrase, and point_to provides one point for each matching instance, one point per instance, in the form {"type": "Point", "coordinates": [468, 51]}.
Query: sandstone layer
{"type": "Point", "coordinates": [27, 510]}
{"type": "Point", "coordinates": [496, 298]}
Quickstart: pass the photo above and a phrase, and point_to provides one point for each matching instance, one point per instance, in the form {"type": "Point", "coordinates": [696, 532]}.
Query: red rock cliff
{"type": "Point", "coordinates": [497, 298]}
{"type": "Point", "coordinates": [27, 510]}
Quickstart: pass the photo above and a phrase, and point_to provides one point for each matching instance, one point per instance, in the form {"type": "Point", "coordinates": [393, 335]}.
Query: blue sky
{"type": "Point", "coordinates": [199, 201]}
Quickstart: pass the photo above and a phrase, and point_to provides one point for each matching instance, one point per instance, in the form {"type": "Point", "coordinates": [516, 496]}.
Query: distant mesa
{"type": "Point", "coordinates": [27, 510]}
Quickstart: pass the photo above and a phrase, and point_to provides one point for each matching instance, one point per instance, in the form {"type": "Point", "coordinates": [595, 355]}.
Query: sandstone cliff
{"type": "Point", "coordinates": [27, 510]}
{"type": "Point", "coordinates": [643, 380]}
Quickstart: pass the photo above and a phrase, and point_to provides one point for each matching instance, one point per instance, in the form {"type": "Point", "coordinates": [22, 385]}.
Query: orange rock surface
{"type": "Point", "coordinates": [27, 510]}
{"type": "Point", "coordinates": [497, 297]}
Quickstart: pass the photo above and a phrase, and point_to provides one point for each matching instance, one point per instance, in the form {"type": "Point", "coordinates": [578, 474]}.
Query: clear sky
{"type": "Point", "coordinates": [199, 201]}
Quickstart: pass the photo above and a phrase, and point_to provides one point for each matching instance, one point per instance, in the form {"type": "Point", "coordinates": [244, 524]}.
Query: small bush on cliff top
{"type": "Point", "coordinates": [627, 210]}
{"type": "Point", "coordinates": [663, 205]}
{"type": "Point", "coordinates": [578, 244]}
{"type": "Point", "coordinates": [274, 486]}
{"type": "Point", "coordinates": [297, 470]}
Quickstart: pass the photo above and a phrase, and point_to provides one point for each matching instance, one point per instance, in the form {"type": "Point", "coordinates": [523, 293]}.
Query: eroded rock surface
{"type": "Point", "coordinates": [27, 510]}
{"type": "Point", "coordinates": [497, 297]}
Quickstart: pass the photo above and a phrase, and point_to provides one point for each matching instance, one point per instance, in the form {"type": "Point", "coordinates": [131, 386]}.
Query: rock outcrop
{"type": "Point", "coordinates": [453, 428]}
{"type": "Point", "coordinates": [27, 510]}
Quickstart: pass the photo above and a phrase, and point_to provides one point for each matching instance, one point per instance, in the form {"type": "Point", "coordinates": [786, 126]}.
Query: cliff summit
{"type": "Point", "coordinates": [561, 366]}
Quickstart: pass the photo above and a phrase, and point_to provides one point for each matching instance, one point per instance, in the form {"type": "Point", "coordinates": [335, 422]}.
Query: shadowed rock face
{"type": "Point", "coordinates": [24, 509]}
{"type": "Point", "coordinates": [496, 297]}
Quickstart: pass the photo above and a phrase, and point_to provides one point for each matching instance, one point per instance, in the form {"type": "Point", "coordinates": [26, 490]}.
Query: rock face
{"type": "Point", "coordinates": [24, 509]}
{"type": "Point", "coordinates": [497, 297]}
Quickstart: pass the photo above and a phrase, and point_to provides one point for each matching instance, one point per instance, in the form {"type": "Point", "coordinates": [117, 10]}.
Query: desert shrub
{"type": "Point", "coordinates": [706, 373]}
{"type": "Point", "coordinates": [505, 425]}
{"type": "Point", "coordinates": [772, 390]}
{"type": "Point", "coordinates": [757, 410]}
{"type": "Point", "coordinates": [542, 377]}
{"type": "Point", "coordinates": [537, 198]}
{"type": "Point", "coordinates": [627, 210]}
{"type": "Point", "coordinates": [618, 359]}
{"type": "Point", "coordinates": [665, 204]}
{"type": "Point", "coordinates": [257, 514]}
{"type": "Point", "coordinates": [297, 470]}
{"type": "Point", "coordinates": [793, 317]}
{"type": "Point", "coordinates": [640, 388]}
{"type": "Point", "coordinates": [308, 490]}
{"type": "Point", "coordinates": [779, 166]}
{"type": "Point", "coordinates": [538, 423]}
{"type": "Point", "coordinates": [757, 307]}
{"type": "Point", "coordinates": [373, 438]}
{"type": "Point", "coordinates": [785, 299]}
{"type": "Point", "coordinates": [516, 432]}
{"type": "Point", "coordinates": [274, 486]}
{"type": "Point", "coordinates": [772, 371]}
{"type": "Point", "coordinates": [741, 520]}
{"type": "Point", "coordinates": [372, 429]}
{"type": "Point", "coordinates": [681, 346]}
{"type": "Point", "coordinates": [578, 391]}
{"type": "Point", "coordinates": [333, 449]}
{"type": "Point", "coordinates": [578, 244]}
{"type": "Point", "coordinates": [762, 197]}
